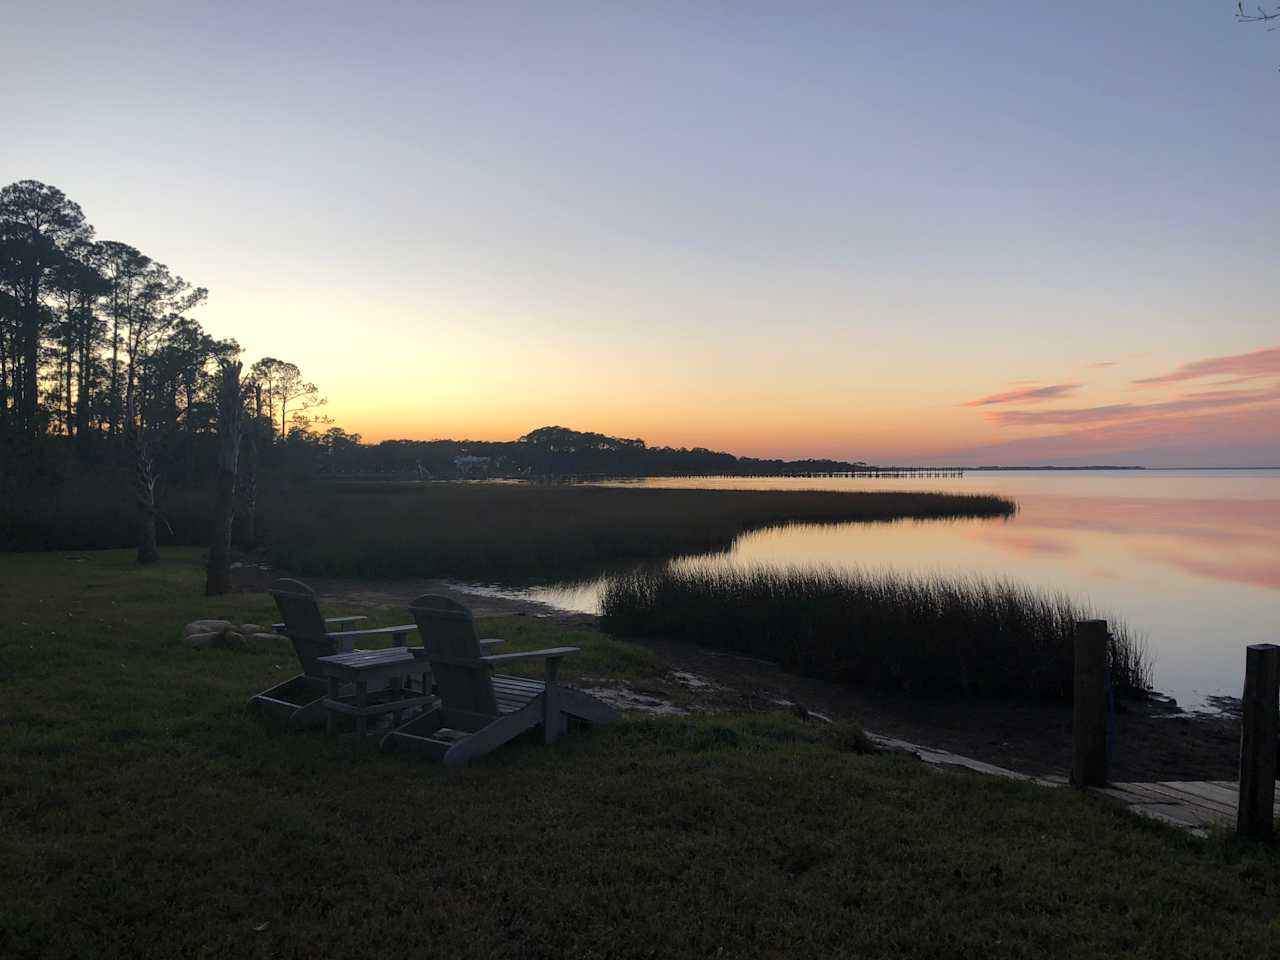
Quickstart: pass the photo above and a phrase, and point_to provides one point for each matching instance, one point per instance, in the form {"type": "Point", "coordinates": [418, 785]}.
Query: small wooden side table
{"type": "Point", "coordinates": [377, 668]}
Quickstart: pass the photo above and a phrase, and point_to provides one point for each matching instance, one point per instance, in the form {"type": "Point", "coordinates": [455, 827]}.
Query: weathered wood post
{"type": "Point", "coordinates": [1260, 716]}
{"type": "Point", "coordinates": [1089, 705]}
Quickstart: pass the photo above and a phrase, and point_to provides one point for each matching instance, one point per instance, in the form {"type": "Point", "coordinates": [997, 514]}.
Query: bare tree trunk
{"type": "Point", "coordinates": [70, 410]}
{"type": "Point", "coordinates": [230, 419]}
{"type": "Point", "coordinates": [144, 491]}
{"type": "Point", "coordinates": [247, 491]}
{"type": "Point", "coordinates": [113, 409]}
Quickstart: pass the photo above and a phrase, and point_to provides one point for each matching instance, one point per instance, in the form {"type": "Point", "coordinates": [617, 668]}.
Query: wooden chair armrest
{"type": "Point", "coordinates": [397, 633]}
{"type": "Point", "coordinates": [335, 620]}
{"type": "Point", "coordinates": [421, 653]}
{"type": "Point", "coordinates": [550, 653]}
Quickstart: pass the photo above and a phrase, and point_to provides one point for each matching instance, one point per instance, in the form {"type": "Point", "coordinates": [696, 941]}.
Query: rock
{"type": "Point", "coordinates": [231, 640]}
{"type": "Point", "coordinates": [206, 626]}
{"type": "Point", "coordinates": [202, 641]}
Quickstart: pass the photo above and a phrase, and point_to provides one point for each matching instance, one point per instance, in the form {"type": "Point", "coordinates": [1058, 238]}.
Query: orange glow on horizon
{"type": "Point", "coordinates": [1107, 414]}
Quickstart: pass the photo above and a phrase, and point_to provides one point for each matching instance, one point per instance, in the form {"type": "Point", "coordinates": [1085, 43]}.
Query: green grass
{"type": "Point", "coordinates": [920, 634]}
{"type": "Point", "coordinates": [146, 813]}
{"type": "Point", "coordinates": [493, 530]}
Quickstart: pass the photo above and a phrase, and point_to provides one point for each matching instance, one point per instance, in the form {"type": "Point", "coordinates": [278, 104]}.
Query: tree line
{"type": "Point", "coordinates": [545, 453]}
{"type": "Point", "coordinates": [105, 372]}
{"type": "Point", "coordinates": [111, 390]}
{"type": "Point", "coordinates": [97, 340]}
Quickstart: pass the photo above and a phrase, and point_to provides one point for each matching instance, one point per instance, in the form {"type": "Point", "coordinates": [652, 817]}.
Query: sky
{"type": "Point", "coordinates": [965, 233]}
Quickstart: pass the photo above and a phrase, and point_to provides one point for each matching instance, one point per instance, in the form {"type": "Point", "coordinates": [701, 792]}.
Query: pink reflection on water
{"type": "Point", "coordinates": [1189, 558]}
{"type": "Point", "coordinates": [1234, 540]}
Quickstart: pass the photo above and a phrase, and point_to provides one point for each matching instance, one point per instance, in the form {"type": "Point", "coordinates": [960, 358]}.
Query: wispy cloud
{"type": "Point", "coordinates": [1027, 395]}
{"type": "Point", "coordinates": [1241, 436]}
{"type": "Point", "coordinates": [1244, 366]}
{"type": "Point", "coordinates": [1101, 364]}
{"type": "Point", "coordinates": [1115, 412]}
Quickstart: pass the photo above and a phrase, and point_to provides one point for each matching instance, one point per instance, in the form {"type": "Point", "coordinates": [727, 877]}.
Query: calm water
{"type": "Point", "coordinates": [1189, 558]}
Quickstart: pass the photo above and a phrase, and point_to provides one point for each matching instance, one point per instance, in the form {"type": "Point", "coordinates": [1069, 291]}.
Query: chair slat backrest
{"type": "Point", "coordinates": [447, 630]}
{"type": "Point", "coordinates": [303, 623]}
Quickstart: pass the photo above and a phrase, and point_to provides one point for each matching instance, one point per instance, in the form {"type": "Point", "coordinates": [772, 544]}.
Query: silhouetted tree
{"type": "Point", "coordinates": [37, 224]}
{"type": "Point", "coordinates": [123, 268]}
{"type": "Point", "coordinates": [144, 488]}
{"type": "Point", "coordinates": [230, 419]}
{"type": "Point", "coordinates": [78, 284]}
{"type": "Point", "coordinates": [1257, 14]}
{"type": "Point", "coordinates": [283, 389]}
{"type": "Point", "coordinates": [257, 435]}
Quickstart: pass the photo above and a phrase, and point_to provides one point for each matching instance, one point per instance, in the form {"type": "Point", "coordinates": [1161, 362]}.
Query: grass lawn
{"type": "Point", "coordinates": [147, 813]}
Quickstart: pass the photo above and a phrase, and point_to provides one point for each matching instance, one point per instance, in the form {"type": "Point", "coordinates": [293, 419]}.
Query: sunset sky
{"type": "Point", "coordinates": [960, 233]}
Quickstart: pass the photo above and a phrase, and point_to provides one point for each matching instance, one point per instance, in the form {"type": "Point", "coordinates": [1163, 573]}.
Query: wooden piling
{"type": "Point", "coordinates": [1089, 705]}
{"type": "Point", "coordinates": [1259, 719]}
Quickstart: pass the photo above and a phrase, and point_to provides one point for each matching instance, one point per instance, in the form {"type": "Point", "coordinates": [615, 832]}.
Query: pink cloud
{"type": "Point", "coordinates": [1100, 364]}
{"type": "Point", "coordinates": [1027, 395]}
{"type": "Point", "coordinates": [1191, 403]}
{"type": "Point", "coordinates": [1259, 363]}
{"type": "Point", "coordinates": [1235, 436]}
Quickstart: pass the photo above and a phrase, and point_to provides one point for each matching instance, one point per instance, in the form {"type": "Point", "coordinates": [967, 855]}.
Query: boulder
{"type": "Point", "coordinates": [231, 640]}
{"type": "Point", "coordinates": [202, 634]}
{"type": "Point", "coordinates": [206, 626]}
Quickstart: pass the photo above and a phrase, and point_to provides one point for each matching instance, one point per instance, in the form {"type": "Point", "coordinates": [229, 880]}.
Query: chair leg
{"type": "Point", "coordinates": [362, 701]}
{"type": "Point", "coordinates": [331, 716]}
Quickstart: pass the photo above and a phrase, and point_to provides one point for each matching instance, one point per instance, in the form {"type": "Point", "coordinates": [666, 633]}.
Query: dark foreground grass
{"type": "Point", "coordinates": [489, 530]}
{"type": "Point", "coordinates": [146, 814]}
{"type": "Point", "coordinates": [923, 634]}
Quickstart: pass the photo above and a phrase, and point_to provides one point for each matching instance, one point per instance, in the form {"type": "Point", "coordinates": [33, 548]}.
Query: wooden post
{"type": "Point", "coordinates": [1258, 727]}
{"type": "Point", "coordinates": [1089, 705]}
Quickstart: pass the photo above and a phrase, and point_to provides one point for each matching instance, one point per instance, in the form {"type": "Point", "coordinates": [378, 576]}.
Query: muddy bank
{"type": "Point", "coordinates": [1152, 741]}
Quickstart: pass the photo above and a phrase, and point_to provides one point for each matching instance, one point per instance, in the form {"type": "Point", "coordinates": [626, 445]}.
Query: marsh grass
{"type": "Point", "coordinates": [95, 510]}
{"type": "Point", "coordinates": [919, 634]}
{"type": "Point", "coordinates": [494, 530]}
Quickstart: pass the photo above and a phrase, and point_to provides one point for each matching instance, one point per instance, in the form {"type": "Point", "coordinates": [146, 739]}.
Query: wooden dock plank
{"type": "Point", "coordinates": [1179, 794]}
{"type": "Point", "coordinates": [1144, 791]}
{"type": "Point", "coordinates": [1190, 804]}
{"type": "Point", "coordinates": [1209, 791]}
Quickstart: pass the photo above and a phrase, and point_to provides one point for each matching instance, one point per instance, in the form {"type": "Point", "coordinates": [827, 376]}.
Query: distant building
{"type": "Point", "coordinates": [468, 466]}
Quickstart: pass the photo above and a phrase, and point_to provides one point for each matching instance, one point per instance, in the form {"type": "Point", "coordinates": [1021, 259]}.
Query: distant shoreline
{"type": "Point", "coordinates": [996, 469]}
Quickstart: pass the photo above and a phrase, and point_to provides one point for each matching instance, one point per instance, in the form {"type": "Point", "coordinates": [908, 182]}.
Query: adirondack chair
{"type": "Point", "coordinates": [479, 710]}
{"type": "Point", "coordinates": [297, 703]}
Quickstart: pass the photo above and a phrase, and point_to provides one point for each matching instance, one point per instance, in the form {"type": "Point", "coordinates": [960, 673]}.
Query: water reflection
{"type": "Point", "coordinates": [1189, 558]}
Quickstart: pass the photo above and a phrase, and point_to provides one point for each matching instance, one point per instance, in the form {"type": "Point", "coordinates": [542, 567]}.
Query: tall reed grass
{"type": "Point", "coordinates": [96, 511]}
{"type": "Point", "coordinates": [495, 530]}
{"type": "Point", "coordinates": [919, 634]}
